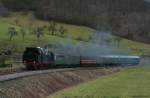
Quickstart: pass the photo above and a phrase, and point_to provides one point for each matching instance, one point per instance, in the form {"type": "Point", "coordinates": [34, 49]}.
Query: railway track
{"type": "Point", "coordinates": [14, 76]}
{"type": "Point", "coordinates": [11, 71]}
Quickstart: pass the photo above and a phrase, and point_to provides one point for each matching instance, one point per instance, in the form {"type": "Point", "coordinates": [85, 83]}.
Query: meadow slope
{"type": "Point", "coordinates": [28, 21]}
{"type": "Point", "coordinates": [129, 83]}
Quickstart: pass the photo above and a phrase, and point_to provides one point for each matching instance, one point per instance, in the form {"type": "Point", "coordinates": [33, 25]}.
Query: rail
{"type": "Point", "coordinates": [14, 76]}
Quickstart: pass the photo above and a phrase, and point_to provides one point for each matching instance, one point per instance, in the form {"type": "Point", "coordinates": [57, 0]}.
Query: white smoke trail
{"type": "Point", "coordinates": [97, 46]}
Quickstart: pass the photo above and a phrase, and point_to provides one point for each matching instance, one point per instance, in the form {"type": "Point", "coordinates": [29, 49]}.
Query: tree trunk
{"type": "Point", "coordinates": [10, 37]}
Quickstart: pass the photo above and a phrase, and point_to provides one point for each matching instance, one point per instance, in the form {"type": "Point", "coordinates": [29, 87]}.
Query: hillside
{"type": "Point", "coordinates": [132, 82]}
{"type": "Point", "coordinates": [74, 34]}
{"type": "Point", "coordinates": [40, 86]}
{"type": "Point", "coordinates": [30, 39]}
{"type": "Point", "coordinates": [126, 18]}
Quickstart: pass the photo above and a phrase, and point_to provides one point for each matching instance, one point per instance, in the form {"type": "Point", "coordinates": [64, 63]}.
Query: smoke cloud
{"type": "Point", "coordinates": [101, 43]}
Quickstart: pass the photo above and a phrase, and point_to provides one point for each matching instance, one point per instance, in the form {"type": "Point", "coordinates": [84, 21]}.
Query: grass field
{"type": "Point", "coordinates": [27, 20]}
{"type": "Point", "coordinates": [73, 32]}
{"type": "Point", "coordinates": [136, 47]}
{"type": "Point", "coordinates": [130, 83]}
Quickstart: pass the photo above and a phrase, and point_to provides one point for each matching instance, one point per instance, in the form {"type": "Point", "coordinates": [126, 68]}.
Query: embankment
{"type": "Point", "coordinates": [40, 86]}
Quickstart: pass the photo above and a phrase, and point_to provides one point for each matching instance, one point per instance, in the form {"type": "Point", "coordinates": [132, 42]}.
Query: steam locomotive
{"type": "Point", "coordinates": [38, 58]}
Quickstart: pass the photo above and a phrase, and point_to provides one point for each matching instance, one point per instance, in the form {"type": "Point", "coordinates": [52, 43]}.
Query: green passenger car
{"type": "Point", "coordinates": [67, 60]}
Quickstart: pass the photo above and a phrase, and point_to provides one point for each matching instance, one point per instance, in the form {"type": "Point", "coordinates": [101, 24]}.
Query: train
{"type": "Point", "coordinates": [39, 58]}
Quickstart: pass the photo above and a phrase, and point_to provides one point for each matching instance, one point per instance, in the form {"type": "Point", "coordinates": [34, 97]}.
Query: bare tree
{"type": "Point", "coordinates": [23, 32]}
{"type": "Point", "coordinates": [52, 27]}
{"type": "Point", "coordinates": [62, 30]}
{"type": "Point", "coordinates": [39, 33]}
{"type": "Point", "coordinates": [12, 32]}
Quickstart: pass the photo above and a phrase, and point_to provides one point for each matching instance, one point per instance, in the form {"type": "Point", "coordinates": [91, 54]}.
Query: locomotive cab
{"type": "Point", "coordinates": [37, 58]}
{"type": "Point", "coordinates": [31, 55]}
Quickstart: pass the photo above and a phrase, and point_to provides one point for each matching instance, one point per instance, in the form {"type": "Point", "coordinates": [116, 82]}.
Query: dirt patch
{"type": "Point", "coordinates": [42, 85]}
